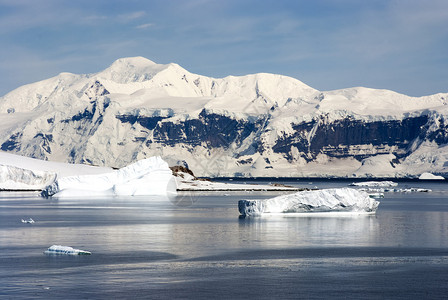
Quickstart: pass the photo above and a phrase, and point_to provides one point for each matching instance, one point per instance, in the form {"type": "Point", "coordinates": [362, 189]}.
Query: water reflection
{"type": "Point", "coordinates": [280, 231]}
{"type": "Point", "coordinates": [152, 246]}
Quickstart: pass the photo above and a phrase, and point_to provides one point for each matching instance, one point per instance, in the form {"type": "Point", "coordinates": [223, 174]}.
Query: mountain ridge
{"type": "Point", "coordinates": [253, 125]}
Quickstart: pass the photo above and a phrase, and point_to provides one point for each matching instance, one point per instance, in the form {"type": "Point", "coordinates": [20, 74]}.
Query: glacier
{"type": "Point", "coordinates": [328, 200]}
{"type": "Point", "coordinates": [151, 176]}
{"type": "Point", "coordinates": [258, 125]}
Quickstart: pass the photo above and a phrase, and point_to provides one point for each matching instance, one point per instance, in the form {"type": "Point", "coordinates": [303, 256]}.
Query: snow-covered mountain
{"type": "Point", "coordinates": [254, 125]}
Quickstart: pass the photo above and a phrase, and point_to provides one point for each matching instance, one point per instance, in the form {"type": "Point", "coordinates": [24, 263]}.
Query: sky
{"type": "Point", "coordinates": [400, 45]}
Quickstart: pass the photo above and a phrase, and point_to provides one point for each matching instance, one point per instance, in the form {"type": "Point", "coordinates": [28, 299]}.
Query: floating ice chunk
{"type": "Point", "coordinates": [29, 221]}
{"type": "Point", "coordinates": [329, 200]}
{"type": "Point", "coordinates": [393, 190]}
{"type": "Point", "coordinates": [375, 183]}
{"type": "Point", "coordinates": [429, 176]}
{"type": "Point", "coordinates": [151, 176]}
{"type": "Point", "coordinates": [376, 195]}
{"type": "Point", "coordinates": [65, 250]}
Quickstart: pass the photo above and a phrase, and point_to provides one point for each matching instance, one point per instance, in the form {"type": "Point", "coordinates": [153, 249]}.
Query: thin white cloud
{"type": "Point", "coordinates": [236, 37]}
{"type": "Point", "coordinates": [144, 26]}
{"type": "Point", "coordinates": [129, 17]}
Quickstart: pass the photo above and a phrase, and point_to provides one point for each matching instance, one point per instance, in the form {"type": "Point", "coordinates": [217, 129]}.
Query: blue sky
{"type": "Point", "coordinates": [327, 44]}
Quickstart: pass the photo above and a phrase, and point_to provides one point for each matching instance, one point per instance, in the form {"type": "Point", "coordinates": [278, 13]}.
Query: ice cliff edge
{"type": "Point", "coordinates": [151, 176]}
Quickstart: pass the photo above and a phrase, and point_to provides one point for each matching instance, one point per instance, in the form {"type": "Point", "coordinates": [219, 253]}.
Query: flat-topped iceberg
{"type": "Point", "coordinates": [151, 176]}
{"type": "Point", "coordinates": [395, 190]}
{"type": "Point", "coordinates": [65, 250]}
{"type": "Point", "coordinates": [375, 183]}
{"type": "Point", "coordinates": [328, 200]}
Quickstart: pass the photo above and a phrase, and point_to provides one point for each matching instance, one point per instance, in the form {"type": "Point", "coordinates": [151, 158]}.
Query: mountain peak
{"type": "Point", "coordinates": [132, 69]}
{"type": "Point", "coordinates": [133, 61]}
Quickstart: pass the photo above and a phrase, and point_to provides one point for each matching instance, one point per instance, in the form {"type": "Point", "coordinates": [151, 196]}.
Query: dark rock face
{"type": "Point", "coordinates": [212, 129]}
{"type": "Point", "coordinates": [436, 130]}
{"type": "Point", "coordinates": [348, 137]}
{"type": "Point", "coordinates": [45, 141]}
{"type": "Point", "coordinates": [336, 139]}
{"type": "Point", "coordinates": [13, 143]}
{"type": "Point", "coordinates": [147, 122]}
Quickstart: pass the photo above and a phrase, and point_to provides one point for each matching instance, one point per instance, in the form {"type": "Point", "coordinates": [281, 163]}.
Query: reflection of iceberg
{"type": "Point", "coordinates": [375, 183]}
{"type": "Point", "coordinates": [329, 200]}
{"type": "Point", "coordinates": [150, 176]}
{"type": "Point", "coordinates": [65, 250]}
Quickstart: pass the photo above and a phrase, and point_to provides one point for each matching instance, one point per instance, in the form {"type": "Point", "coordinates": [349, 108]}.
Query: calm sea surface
{"type": "Point", "coordinates": [197, 247]}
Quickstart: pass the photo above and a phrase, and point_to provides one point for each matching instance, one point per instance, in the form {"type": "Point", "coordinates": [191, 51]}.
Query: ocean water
{"type": "Point", "coordinates": [197, 247]}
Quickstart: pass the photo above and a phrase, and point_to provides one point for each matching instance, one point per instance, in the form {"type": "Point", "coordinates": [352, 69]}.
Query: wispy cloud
{"type": "Point", "coordinates": [128, 17]}
{"type": "Point", "coordinates": [325, 43]}
{"type": "Point", "coordinates": [144, 26]}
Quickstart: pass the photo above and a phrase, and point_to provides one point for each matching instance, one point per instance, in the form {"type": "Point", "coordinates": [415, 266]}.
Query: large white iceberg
{"type": "Point", "coordinates": [151, 176]}
{"type": "Point", "coordinates": [328, 200]}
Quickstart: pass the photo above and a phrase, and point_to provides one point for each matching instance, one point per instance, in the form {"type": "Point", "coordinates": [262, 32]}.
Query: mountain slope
{"type": "Point", "coordinates": [254, 125]}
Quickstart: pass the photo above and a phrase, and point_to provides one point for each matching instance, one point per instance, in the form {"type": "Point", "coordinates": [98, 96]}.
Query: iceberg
{"type": "Point", "coordinates": [15, 178]}
{"type": "Point", "coordinates": [375, 183]}
{"type": "Point", "coordinates": [429, 176]}
{"type": "Point", "coordinates": [29, 221]}
{"type": "Point", "coordinates": [394, 190]}
{"type": "Point", "coordinates": [151, 176]}
{"type": "Point", "coordinates": [328, 200]}
{"type": "Point", "coordinates": [65, 250]}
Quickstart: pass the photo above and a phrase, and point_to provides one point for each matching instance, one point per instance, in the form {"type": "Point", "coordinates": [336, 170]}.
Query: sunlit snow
{"type": "Point", "coordinates": [151, 176]}
{"type": "Point", "coordinates": [329, 200]}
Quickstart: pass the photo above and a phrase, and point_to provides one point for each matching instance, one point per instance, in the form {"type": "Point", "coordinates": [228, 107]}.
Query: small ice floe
{"type": "Point", "coordinates": [29, 221]}
{"type": "Point", "coordinates": [330, 200]}
{"type": "Point", "coordinates": [393, 190]}
{"type": "Point", "coordinates": [376, 195]}
{"type": "Point", "coordinates": [65, 250]}
{"type": "Point", "coordinates": [375, 183]}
